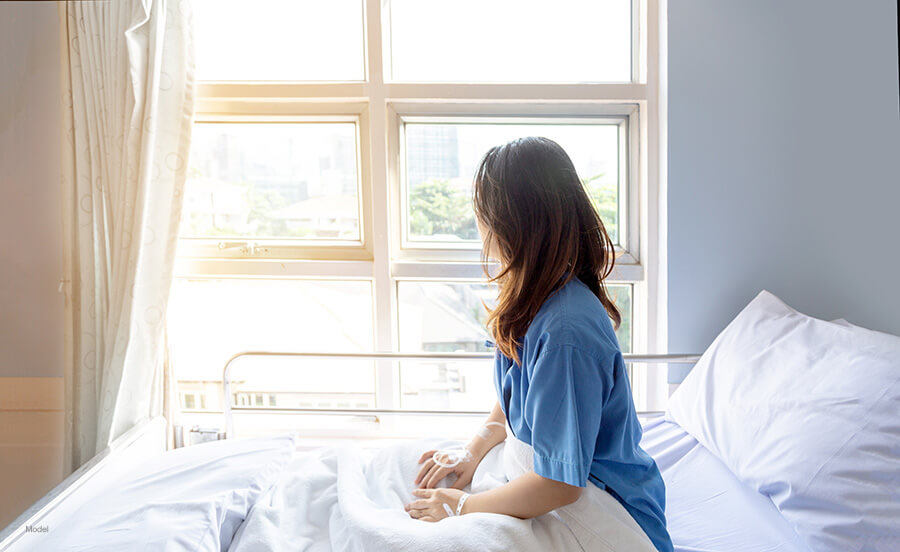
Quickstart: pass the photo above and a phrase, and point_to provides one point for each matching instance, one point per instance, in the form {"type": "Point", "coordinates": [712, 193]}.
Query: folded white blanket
{"type": "Point", "coordinates": [352, 500]}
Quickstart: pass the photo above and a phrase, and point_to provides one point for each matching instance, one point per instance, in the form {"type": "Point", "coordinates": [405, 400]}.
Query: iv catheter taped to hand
{"type": "Point", "coordinates": [450, 458]}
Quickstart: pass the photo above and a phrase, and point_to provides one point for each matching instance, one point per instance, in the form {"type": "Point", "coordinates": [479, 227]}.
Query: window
{"type": "Point", "coordinates": [428, 41]}
{"type": "Point", "coordinates": [306, 29]}
{"type": "Point", "coordinates": [328, 208]}
{"type": "Point", "coordinates": [283, 182]}
{"type": "Point", "coordinates": [440, 159]}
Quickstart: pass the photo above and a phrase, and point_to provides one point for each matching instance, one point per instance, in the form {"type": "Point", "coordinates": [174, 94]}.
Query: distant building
{"type": "Point", "coordinates": [331, 216]}
{"type": "Point", "coordinates": [432, 152]}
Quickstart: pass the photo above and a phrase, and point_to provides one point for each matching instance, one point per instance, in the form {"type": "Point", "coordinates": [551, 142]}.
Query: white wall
{"type": "Point", "coordinates": [784, 162]}
{"type": "Point", "coordinates": [31, 310]}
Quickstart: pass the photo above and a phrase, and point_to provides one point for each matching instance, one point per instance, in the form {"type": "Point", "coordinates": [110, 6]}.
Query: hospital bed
{"type": "Point", "coordinates": [711, 505]}
{"type": "Point", "coordinates": [148, 439]}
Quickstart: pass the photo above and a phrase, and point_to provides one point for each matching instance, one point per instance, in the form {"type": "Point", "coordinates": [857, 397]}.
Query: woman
{"type": "Point", "coordinates": [561, 381]}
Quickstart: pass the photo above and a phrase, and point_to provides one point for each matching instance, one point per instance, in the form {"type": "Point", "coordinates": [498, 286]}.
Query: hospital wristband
{"type": "Point", "coordinates": [459, 505]}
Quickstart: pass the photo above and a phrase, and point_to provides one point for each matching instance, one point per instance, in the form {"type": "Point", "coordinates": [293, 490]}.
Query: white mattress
{"type": "Point", "coordinates": [707, 508]}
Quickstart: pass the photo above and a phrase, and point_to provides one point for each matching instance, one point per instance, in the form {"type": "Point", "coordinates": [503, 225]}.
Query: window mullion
{"type": "Point", "coordinates": [654, 297]}
{"type": "Point", "coordinates": [384, 293]}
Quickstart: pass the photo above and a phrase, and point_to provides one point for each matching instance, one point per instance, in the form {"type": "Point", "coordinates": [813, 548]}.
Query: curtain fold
{"type": "Point", "coordinates": [128, 93]}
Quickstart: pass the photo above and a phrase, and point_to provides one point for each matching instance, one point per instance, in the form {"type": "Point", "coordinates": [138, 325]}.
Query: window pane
{"type": "Point", "coordinates": [279, 40]}
{"type": "Point", "coordinates": [621, 295]}
{"type": "Point", "coordinates": [281, 180]}
{"type": "Point", "coordinates": [445, 317]}
{"type": "Point", "coordinates": [441, 160]}
{"type": "Point", "coordinates": [211, 320]}
{"type": "Point", "coordinates": [449, 317]}
{"type": "Point", "coordinates": [511, 40]}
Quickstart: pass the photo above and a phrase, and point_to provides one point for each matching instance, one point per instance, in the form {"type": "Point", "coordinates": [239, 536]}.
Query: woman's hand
{"type": "Point", "coordinates": [431, 473]}
{"type": "Point", "coordinates": [430, 505]}
{"type": "Point", "coordinates": [487, 437]}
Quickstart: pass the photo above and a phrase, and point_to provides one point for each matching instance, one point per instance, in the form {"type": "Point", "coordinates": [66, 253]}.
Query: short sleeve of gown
{"type": "Point", "coordinates": [563, 407]}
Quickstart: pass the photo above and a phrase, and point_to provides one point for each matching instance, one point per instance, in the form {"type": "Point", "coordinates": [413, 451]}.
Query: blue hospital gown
{"type": "Point", "coordinates": [571, 401]}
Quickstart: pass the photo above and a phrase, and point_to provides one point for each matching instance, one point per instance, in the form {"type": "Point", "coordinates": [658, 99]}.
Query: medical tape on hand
{"type": "Point", "coordinates": [485, 431]}
{"type": "Point", "coordinates": [454, 457]}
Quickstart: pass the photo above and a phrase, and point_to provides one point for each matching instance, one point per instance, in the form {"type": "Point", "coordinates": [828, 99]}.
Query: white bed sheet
{"type": "Point", "coordinates": [707, 508]}
{"type": "Point", "coordinates": [351, 500]}
{"type": "Point", "coordinates": [188, 499]}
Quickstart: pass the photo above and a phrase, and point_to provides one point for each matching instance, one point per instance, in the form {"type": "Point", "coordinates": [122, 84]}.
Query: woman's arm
{"type": "Point", "coordinates": [490, 434]}
{"type": "Point", "coordinates": [526, 496]}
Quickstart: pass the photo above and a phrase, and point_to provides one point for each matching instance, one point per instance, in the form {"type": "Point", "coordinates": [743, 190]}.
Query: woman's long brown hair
{"type": "Point", "coordinates": [536, 213]}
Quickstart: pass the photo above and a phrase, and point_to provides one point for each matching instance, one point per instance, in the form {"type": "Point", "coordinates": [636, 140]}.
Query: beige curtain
{"type": "Point", "coordinates": [128, 88]}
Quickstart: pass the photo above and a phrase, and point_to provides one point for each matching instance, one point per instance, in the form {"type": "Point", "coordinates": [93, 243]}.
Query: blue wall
{"type": "Point", "coordinates": [784, 162]}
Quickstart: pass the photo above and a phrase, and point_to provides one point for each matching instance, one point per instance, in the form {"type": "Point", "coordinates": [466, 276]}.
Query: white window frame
{"type": "Point", "coordinates": [624, 115]}
{"type": "Point", "coordinates": [379, 108]}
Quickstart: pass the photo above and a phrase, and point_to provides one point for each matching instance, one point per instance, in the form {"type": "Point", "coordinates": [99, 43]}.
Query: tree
{"type": "Point", "coordinates": [262, 204]}
{"type": "Point", "coordinates": [606, 201]}
{"type": "Point", "coordinates": [436, 207]}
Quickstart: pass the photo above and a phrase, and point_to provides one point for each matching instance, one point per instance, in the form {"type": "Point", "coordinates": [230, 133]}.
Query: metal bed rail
{"type": "Point", "coordinates": [455, 357]}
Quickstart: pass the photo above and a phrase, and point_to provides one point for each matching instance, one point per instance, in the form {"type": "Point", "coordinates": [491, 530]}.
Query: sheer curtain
{"type": "Point", "coordinates": [128, 89]}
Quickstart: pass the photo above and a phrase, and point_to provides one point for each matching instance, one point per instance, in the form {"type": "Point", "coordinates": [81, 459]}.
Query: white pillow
{"type": "Point", "coordinates": [806, 412]}
{"type": "Point", "coordinates": [192, 498]}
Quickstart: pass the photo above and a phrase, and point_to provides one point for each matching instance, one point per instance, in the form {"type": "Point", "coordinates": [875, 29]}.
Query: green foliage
{"type": "Point", "coordinates": [621, 296]}
{"type": "Point", "coordinates": [262, 203]}
{"type": "Point", "coordinates": [606, 201]}
{"type": "Point", "coordinates": [436, 207]}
